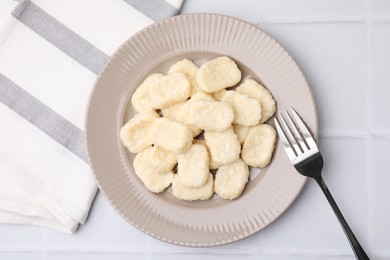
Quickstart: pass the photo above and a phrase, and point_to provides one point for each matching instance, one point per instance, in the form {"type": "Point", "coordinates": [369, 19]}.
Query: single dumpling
{"type": "Point", "coordinates": [255, 90]}
{"type": "Point", "coordinates": [247, 111]}
{"type": "Point", "coordinates": [156, 159]}
{"type": "Point", "coordinates": [154, 181]}
{"type": "Point", "coordinates": [218, 74]}
{"type": "Point", "coordinates": [230, 180]}
{"type": "Point", "coordinates": [188, 68]}
{"type": "Point", "coordinates": [193, 166]}
{"type": "Point", "coordinates": [212, 165]}
{"type": "Point", "coordinates": [169, 90]}
{"type": "Point", "coordinates": [135, 133]}
{"type": "Point", "coordinates": [259, 146]}
{"type": "Point", "coordinates": [140, 99]}
{"type": "Point", "coordinates": [224, 147]}
{"type": "Point", "coordinates": [200, 95]}
{"type": "Point", "coordinates": [170, 135]}
{"type": "Point", "coordinates": [185, 193]}
{"type": "Point", "coordinates": [210, 115]}
{"type": "Point", "coordinates": [177, 112]}
{"type": "Point", "coordinates": [241, 132]}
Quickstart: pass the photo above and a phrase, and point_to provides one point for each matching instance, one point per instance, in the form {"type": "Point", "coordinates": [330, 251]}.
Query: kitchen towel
{"type": "Point", "coordinates": [50, 55]}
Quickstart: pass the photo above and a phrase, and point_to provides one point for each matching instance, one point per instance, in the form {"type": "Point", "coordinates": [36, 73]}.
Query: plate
{"type": "Point", "coordinates": [198, 37]}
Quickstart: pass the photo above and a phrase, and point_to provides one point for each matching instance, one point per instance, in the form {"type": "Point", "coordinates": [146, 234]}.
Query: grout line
{"type": "Point", "coordinates": [307, 21]}
{"type": "Point", "coordinates": [96, 248]}
{"type": "Point", "coordinates": [298, 255]}
{"type": "Point", "coordinates": [321, 254]}
{"type": "Point", "coordinates": [20, 249]}
{"type": "Point", "coordinates": [379, 133]}
{"type": "Point", "coordinates": [44, 245]}
{"type": "Point", "coordinates": [148, 252]}
{"type": "Point", "coordinates": [277, 253]}
{"type": "Point", "coordinates": [259, 240]}
{"type": "Point", "coordinates": [345, 135]}
{"type": "Point", "coordinates": [313, 20]}
{"type": "Point", "coordinates": [369, 181]}
{"type": "Point", "coordinates": [380, 19]}
{"type": "Point", "coordinates": [205, 250]}
{"type": "Point", "coordinates": [329, 135]}
{"type": "Point", "coordinates": [200, 253]}
{"type": "Point", "coordinates": [261, 22]}
{"type": "Point", "coordinates": [369, 111]}
{"type": "Point", "coordinates": [305, 253]}
{"type": "Point", "coordinates": [243, 252]}
{"type": "Point", "coordinates": [368, 68]}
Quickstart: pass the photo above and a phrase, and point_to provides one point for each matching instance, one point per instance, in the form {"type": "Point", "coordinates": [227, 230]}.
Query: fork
{"type": "Point", "coordinates": [303, 152]}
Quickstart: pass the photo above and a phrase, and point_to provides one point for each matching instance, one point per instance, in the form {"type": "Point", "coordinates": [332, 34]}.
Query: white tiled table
{"type": "Point", "coordinates": [343, 47]}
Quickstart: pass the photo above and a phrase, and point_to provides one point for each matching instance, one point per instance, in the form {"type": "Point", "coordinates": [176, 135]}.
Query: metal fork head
{"type": "Point", "coordinates": [299, 144]}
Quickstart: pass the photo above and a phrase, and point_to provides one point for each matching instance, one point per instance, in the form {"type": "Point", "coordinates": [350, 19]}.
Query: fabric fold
{"type": "Point", "coordinates": [50, 55]}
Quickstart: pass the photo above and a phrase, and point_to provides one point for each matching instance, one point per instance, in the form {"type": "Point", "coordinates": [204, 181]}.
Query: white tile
{"type": "Point", "coordinates": [20, 236]}
{"type": "Point", "coordinates": [345, 173]}
{"type": "Point", "coordinates": [249, 245]}
{"type": "Point", "coordinates": [318, 9]}
{"type": "Point", "coordinates": [197, 256]}
{"type": "Point", "coordinates": [380, 7]}
{"type": "Point", "coordinates": [21, 256]}
{"type": "Point", "coordinates": [332, 58]}
{"type": "Point", "coordinates": [351, 257]}
{"type": "Point", "coordinates": [95, 256]}
{"type": "Point", "coordinates": [164, 247]}
{"type": "Point", "coordinates": [310, 226]}
{"type": "Point", "coordinates": [381, 195]}
{"type": "Point", "coordinates": [255, 11]}
{"type": "Point", "coordinates": [248, 10]}
{"type": "Point", "coordinates": [381, 76]}
{"type": "Point", "coordinates": [239, 247]}
{"type": "Point", "coordinates": [105, 228]}
{"type": "Point", "coordinates": [158, 246]}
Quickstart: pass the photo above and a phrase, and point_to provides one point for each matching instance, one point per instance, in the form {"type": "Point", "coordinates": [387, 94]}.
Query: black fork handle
{"type": "Point", "coordinates": [357, 248]}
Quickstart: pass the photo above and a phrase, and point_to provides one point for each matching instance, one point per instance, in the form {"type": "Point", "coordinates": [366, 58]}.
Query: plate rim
{"type": "Point", "coordinates": [86, 130]}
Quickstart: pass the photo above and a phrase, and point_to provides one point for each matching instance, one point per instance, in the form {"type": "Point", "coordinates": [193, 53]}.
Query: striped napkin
{"type": "Point", "coordinates": [50, 55]}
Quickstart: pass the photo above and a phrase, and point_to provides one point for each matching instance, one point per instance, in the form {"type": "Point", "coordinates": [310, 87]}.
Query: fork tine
{"type": "Point", "coordinates": [306, 133]}
{"type": "Point", "coordinates": [296, 133]}
{"type": "Point", "coordinates": [287, 147]}
{"type": "Point", "coordinates": [290, 136]}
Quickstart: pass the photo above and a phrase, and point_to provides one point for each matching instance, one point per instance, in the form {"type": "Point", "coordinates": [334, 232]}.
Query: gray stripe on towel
{"type": "Point", "coordinates": [154, 9]}
{"type": "Point", "coordinates": [60, 36]}
{"type": "Point", "coordinates": [42, 117]}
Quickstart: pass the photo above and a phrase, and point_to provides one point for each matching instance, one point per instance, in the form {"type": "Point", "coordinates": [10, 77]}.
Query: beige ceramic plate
{"type": "Point", "coordinates": [198, 37]}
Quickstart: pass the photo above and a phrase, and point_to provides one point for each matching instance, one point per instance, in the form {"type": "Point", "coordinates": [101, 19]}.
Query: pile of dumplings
{"type": "Point", "coordinates": [194, 132]}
